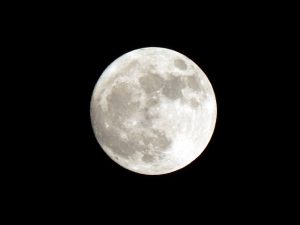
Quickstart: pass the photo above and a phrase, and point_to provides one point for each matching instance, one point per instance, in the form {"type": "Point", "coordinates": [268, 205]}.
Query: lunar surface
{"type": "Point", "coordinates": [153, 111]}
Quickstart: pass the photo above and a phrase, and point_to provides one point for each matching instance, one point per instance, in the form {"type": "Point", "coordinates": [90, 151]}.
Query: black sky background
{"type": "Point", "coordinates": [69, 49]}
{"type": "Point", "coordinates": [228, 162]}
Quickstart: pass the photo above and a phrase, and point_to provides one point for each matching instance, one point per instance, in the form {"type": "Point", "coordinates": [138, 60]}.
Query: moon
{"type": "Point", "coordinates": [153, 111]}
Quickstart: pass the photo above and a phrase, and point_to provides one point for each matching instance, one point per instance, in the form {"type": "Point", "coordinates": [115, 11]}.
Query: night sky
{"type": "Point", "coordinates": [71, 48]}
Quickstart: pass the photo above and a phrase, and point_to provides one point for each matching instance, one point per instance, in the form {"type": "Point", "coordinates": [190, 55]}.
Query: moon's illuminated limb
{"type": "Point", "coordinates": [153, 111]}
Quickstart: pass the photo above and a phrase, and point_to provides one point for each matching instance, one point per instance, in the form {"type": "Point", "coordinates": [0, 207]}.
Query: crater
{"type": "Point", "coordinates": [153, 100]}
{"type": "Point", "coordinates": [151, 83]}
{"type": "Point", "coordinates": [120, 103]}
{"type": "Point", "coordinates": [120, 147]}
{"type": "Point", "coordinates": [137, 142]}
{"type": "Point", "coordinates": [180, 64]}
{"type": "Point", "coordinates": [172, 87]}
{"type": "Point", "coordinates": [132, 65]}
{"type": "Point", "coordinates": [193, 82]}
{"type": "Point", "coordinates": [160, 141]}
{"type": "Point", "coordinates": [194, 103]}
{"type": "Point", "coordinates": [148, 158]}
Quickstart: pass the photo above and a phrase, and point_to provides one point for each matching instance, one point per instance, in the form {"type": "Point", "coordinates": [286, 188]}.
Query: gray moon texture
{"type": "Point", "coordinates": [153, 111]}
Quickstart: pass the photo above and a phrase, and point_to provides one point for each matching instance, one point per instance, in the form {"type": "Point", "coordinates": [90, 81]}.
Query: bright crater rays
{"type": "Point", "coordinates": [153, 111]}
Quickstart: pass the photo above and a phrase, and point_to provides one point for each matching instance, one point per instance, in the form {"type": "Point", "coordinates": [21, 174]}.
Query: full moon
{"type": "Point", "coordinates": [153, 111]}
